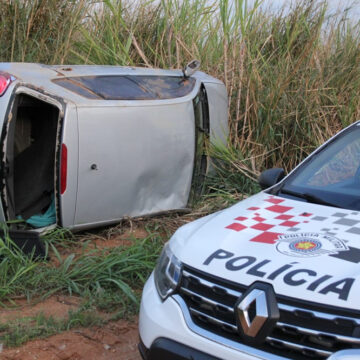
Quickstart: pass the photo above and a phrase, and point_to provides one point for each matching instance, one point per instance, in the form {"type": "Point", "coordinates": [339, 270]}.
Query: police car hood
{"type": "Point", "coordinates": [304, 250]}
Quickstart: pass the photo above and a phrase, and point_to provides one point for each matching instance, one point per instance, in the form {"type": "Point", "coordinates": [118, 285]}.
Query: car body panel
{"type": "Point", "coordinates": [138, 170]}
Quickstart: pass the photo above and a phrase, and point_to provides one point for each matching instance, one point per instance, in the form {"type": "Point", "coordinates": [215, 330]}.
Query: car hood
{"type": "Point", "coordinates": [304, 250]}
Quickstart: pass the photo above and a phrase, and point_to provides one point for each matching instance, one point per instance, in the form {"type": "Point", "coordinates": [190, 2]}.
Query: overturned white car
{"type": "Point", "coordinates": [84, 146]}
{"type": "Point", "coordinates": [274, 277]}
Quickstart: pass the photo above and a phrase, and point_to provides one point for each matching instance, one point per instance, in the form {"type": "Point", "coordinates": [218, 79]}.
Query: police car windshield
{"type": "Point", "coordinates": [330, 177]}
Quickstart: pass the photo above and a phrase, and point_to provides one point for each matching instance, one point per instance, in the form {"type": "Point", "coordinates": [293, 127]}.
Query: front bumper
{"type": "Point", "coordinates": [161, 321]}
{"type": "Point", "coordinates": [165, 349]}
{"type": "Point", "coordinates": [165, 320]}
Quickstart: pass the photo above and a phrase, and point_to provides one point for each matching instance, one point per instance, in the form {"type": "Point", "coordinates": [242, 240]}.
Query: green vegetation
{"type": "Point", "coordinates": [293, 80]}
{"type": "Point", "coordinates": [107, 280]}
{"type": "Point", "coordinates": [105, 275]}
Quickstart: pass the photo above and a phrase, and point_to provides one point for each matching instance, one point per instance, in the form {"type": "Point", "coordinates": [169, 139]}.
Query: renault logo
{"type": "Point", "coordinates": [257, 312]}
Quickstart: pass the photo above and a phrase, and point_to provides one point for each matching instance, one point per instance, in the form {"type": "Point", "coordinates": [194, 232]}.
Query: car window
{"type": "Point", "coordinates": [331, 176]}
{"type": "Point", "coordinates": [343, 166]}
{"type": "Point", "coordinates": [129, 87]}
{"type": "Point", "coordinates": [337, 164]}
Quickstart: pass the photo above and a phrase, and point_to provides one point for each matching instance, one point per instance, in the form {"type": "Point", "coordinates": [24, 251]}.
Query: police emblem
{"type": "Point", "coordinates": [309, 244]}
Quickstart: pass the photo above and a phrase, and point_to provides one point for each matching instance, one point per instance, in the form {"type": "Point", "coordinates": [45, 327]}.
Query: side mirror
{"type": "Point", "coordinates": [270, 177]}
{"type": "Point", "coordinates": [191, 68]}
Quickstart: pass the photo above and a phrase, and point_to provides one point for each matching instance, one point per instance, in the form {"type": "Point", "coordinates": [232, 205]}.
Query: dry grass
{"type": "Point", "coordinates": [292, 77]}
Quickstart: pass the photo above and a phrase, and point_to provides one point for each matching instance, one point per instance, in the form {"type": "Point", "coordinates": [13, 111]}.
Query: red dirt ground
{"type": "Point", "coordinates": [55, 306]}
{"type": "Point", "coordinates": [116, 340]}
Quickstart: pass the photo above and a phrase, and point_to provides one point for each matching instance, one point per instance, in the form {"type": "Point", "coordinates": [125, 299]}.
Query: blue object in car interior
{"type": "Point", "coordinates": [46, 219]}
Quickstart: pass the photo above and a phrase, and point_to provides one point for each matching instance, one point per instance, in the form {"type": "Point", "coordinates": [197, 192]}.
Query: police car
{"type": "Point", "coordinates": [275, 276]}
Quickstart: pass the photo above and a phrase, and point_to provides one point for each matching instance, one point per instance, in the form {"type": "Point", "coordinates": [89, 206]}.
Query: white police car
{"type": "Point", "coordinates": [275, 276]}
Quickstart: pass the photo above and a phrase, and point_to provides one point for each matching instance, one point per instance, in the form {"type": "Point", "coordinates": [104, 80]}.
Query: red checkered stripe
{"type": "Point", "coordinates": [282, 218]}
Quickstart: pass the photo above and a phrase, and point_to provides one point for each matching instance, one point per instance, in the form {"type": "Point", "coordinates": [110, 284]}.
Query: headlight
{"type": "Point", "coordinates": [167, 273]}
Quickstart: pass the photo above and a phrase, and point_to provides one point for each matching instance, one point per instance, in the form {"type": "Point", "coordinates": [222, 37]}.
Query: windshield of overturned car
{"type": "Point", "coordinates": [330, 177]}
{"type": "Point", "coordinates": [128, 87]}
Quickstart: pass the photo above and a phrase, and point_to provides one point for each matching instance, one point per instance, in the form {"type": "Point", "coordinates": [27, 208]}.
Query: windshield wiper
{"type": "Point", "coordinates": [309, 197]}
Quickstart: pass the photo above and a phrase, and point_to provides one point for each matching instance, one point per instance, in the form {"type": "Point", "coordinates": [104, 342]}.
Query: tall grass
{"type": "Point", "coordinates": [292, 76]}
{"type": "Point", "coordinates": [40, 30]}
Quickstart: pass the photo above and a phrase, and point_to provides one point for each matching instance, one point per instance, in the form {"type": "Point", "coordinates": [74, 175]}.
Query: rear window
{"type": "Point", "coordinates": [128, 87]}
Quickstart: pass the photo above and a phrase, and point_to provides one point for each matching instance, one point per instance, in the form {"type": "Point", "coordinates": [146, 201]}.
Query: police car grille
{"type": "Point", "coordinates": [303, 332]}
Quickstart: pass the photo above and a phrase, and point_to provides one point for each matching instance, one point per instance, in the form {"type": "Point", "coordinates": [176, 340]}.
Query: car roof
{"type": "Point", "coordinates": [40, 76]}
